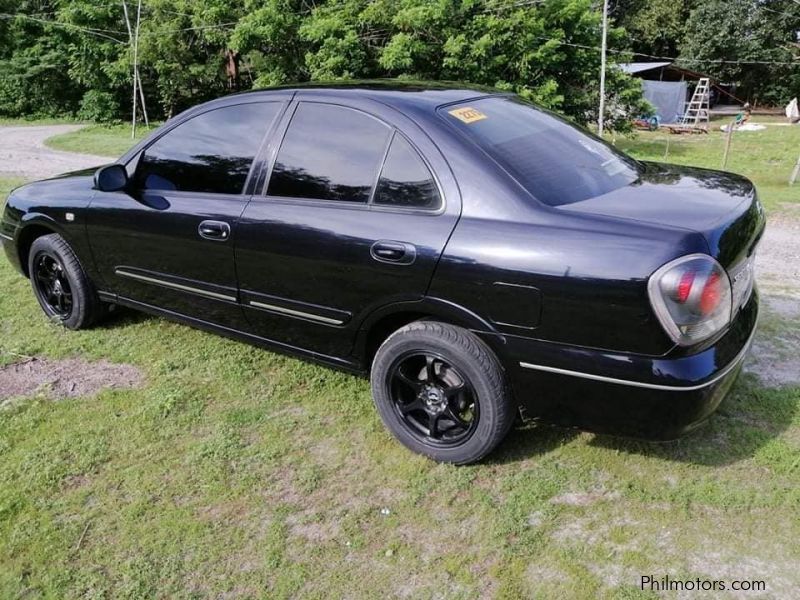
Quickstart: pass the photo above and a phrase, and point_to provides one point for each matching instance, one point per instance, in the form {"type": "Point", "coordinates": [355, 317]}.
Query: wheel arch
{"type": "Point", "coordinates": [382, 322]}
{"type": "Point", "coordinates": [32, 229]}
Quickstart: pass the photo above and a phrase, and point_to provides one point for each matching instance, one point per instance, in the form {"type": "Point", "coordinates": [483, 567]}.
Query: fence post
{"type": "Point", "coordinates": [795, 172]}
{"type": "Point", "coordinates": [728, 138]}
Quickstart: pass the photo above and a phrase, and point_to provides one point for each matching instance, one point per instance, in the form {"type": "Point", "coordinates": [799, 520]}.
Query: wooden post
{"type": "Point", "coordinates": [728, 138]}
{"type": "Point", "coordinates": [604, 43]}
{"type": "Point", "coordinates": [795, 172]}
{"type": "Point", "coordinates": [136, 66]}
{"type": "Point", "coordinates": [137, 78]}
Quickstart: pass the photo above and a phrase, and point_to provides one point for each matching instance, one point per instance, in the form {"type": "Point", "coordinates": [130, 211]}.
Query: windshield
{"type": "Point", "coordinates": [557, 162]}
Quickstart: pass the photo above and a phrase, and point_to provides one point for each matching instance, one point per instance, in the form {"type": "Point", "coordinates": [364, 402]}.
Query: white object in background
{"type": "Point", "coordinates": [744, 127]}
{"type": "Point", "coordinates": [792, 111]}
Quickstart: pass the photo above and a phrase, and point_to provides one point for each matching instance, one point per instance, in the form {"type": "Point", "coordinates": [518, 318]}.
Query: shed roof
{"type": "Point", "coordinates": [639, 67]}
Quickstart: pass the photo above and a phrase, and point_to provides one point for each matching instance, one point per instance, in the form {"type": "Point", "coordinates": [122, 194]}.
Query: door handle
{"type": "Point", "coordinates": [399, 253]}
{"type": "Point", "coordinates": [218, 231]}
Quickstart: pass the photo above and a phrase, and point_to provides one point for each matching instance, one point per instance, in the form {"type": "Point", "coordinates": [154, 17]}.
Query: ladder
{"type": "Point", "coordinates": [697, 110]}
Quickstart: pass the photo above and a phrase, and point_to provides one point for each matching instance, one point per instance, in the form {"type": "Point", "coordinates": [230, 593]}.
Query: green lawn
{"type": "Point", "coordinates": [102, 140]}
{"type": "Point", "coordinates": [767, 157]}
{"type": "Point", "coordinates": [23, 122]}
{"type": "Point", "coordinates": [7, 184]}
{"type": "Point", "coordinates": [236, 472]}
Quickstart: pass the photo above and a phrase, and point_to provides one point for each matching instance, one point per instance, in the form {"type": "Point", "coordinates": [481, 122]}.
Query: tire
{"type": "Point", "coordinates": [429, 368]}
{"type": "Point", "coordinates": [60, 284]}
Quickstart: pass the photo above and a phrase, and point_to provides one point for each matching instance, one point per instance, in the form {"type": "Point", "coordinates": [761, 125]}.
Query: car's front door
{"type": "Point", "coordinates": [352, 218]}
{"type": "Point", "coordinates": [167, 241]}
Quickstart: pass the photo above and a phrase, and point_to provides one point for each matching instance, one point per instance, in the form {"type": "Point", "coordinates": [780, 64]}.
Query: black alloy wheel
{"type": "Point", "coordinates": [52, 285]}
{"type": "Point", "coordinates": [441, 391]}
{"type": "Point", "coordinates": [433, 399]}
{"type": "Point", "coordinates": [61, 286]}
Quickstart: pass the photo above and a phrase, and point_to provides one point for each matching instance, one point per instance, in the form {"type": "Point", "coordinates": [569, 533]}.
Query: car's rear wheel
{"type": "Point", "coordinates": [441, 391]}
{"type": "Point", "coordinates": [60, 285]}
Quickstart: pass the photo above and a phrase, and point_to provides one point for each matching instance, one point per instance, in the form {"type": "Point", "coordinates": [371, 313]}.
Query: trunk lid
{"type": "Point", "coordinates": [723, 207]}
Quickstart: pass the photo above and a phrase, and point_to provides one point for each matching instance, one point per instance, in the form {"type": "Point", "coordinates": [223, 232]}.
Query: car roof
{"type": "Point", "coordinates": [394, 92]}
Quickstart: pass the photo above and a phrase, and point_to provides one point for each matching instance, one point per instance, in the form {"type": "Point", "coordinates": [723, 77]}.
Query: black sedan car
{"type": "Point", "coordinates": [478, 257]}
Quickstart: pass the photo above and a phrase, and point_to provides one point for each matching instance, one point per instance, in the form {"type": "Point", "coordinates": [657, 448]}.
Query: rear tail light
{"type": "Point", "coordinates": [691, 297]}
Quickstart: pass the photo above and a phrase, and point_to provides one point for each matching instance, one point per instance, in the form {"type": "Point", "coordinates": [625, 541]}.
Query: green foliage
{"type": "Point", "coordinates": [751, 43]}
{"type": "Point", "coordinates": [74, 56]}
{"type": "Point", "coordinates": [99, 106]}
{"type": "Point", "coordinates": [747, 31]}
{"type": "Point", "coordinates": [656, 27]}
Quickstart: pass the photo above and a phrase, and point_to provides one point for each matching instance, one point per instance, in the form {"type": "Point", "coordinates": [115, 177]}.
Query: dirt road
{"type": "Point", "coordinates": [23, 153]}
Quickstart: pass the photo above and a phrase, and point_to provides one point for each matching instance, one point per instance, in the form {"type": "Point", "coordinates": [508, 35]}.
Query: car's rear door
{"type": "Point", "coordinates": [168, 240]}
{"type": "Point", "coordinates": [357, 207]}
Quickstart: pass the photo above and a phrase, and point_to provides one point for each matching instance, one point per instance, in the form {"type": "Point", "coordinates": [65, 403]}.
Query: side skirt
{"type": "Point", "coordinates": [243, 336]}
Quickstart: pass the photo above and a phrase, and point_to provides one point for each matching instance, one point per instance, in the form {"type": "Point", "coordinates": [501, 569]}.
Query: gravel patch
{"type": "Point", "coordinates": [24, 154]}
{"type": "Point", "coordinates": [775, 355]}
{"type": "Point", "coordinates": [778, 258]}
{"type": "Point", "coordinates": [65, 378]}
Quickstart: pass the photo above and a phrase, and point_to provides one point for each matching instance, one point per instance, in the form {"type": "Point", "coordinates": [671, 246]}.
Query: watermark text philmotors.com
{"type": "Point", "coordinates": [670, 584]}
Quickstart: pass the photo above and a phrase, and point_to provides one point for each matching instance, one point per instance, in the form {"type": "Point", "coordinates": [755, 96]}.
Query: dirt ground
{"type": "Point", "coordinates": [24, 154]}
{"type": "Point", "coordinates": [57, 379]}
{"type": "Point", "coordinates": [775, 356]}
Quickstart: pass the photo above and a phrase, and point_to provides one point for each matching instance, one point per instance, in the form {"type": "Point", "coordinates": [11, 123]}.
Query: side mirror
{"type": "Point", "coordinates": [111, 178]}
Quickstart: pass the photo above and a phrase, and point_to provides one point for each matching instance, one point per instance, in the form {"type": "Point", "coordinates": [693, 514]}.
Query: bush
{"type": "Point", "coordinates": [100, 107]}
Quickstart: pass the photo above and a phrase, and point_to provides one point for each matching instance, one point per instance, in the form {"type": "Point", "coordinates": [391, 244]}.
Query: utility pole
{"type": "Point", "coordinates": [603, 48]}
{"type": "Point", "coordinates": [136, 67]}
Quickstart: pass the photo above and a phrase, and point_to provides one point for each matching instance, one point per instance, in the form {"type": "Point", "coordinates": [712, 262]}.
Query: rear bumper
{"type": "Point", "coordinates": [622, 394]}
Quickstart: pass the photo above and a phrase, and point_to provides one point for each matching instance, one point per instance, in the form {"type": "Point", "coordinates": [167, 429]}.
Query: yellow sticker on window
{"type": "Point", "coordinates": [468, 114]}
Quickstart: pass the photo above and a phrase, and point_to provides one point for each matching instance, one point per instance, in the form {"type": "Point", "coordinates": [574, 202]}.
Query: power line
{"type": "Point", "coordinates": [102, 32]}
{"type": "Point", "coordinates": [502, 5]}
{"type": "Point", "coordinates": [778, 12]}
{"type": "Point", "coordinates": [673, 58]}
{"type": "Point", "coordinates": [198, 28]}
{"type": "Point", "coordinates": [88, 30]}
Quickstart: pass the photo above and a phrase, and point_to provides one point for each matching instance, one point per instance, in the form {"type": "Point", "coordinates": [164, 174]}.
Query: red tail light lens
{"type": "Point", "coordinates": [691, 297]}
{"type": "Point", "coordinates": [685, 286]}
{"type": "Point", "coordinates": [711, 295]}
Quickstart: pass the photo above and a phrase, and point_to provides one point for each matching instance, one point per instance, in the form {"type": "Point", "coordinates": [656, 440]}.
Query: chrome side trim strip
{"type": "Point", "coordinates": [176, 286]}
{"type": "Point", "coordinates": [295, 313]}
{"type": "Point", "coordinates": [651, 386]}
{"type": "Point", "coordinates": [6, 237]}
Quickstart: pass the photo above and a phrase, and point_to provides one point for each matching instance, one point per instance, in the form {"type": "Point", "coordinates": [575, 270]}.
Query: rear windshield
{"type": "Point", "coordinates": [557, 162]}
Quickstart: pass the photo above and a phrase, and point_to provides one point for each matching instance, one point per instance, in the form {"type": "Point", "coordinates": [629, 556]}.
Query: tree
{"type": "Point", "coordinates": [745, 42]}
{"type": "Point", "coordinates": [654, 27]}
{"type": "Point", "coordinates": [62, 56]}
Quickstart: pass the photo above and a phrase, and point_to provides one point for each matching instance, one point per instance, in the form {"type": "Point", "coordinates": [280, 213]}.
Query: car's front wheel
{"type": "Point", "coordinates": [442, 392]}
{"type": "Point", "coordinates": [60, 285]}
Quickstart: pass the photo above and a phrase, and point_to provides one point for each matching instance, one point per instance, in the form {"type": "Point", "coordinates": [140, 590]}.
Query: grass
{"type": "Point", "coordinates": [9, 183]}
{"type": "Point", "coordinates": [767, 157]}
{"type": "Point", "coordinates": [30, 121]}
{"type": "Point", "coordinates": [101, 140]}
{"type": "Point", "coordinates": [239, 472]}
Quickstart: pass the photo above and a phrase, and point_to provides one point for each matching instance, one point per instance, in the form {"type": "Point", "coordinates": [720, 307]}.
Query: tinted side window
{"type": "Point", "coordinates": [329, 153]}
{"type": "Point", "coordinates": [211, 152]}
{"type": "Point", "coordinates": [405, 179]}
